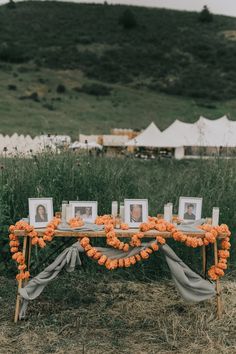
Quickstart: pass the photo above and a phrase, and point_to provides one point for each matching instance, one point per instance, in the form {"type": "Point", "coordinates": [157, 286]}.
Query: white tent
{"type": "Point", "coordinates": [89, 146]}
{"type": "Point", "coordinates": [215, 133]}
{"type": "Point", "coordinates": [203, 133]}
{"type": "Point", "coordinates": [148, 138]}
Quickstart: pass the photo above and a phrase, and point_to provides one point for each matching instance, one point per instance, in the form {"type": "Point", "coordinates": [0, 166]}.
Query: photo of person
{"type": "Point", "coordinates": [190, 210]}
{"type": "Point", "coordinates": [136, 213]}
{"type": "Point", "coordinates": [84, 212]}
{"type": "Point", "coordinates": [87, 211]}
{"type": "Point", "coordinates": [41, 213]}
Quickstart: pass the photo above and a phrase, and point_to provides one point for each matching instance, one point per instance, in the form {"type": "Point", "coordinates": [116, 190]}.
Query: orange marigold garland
{"type": "Point", "coordinates": [14, 242]}
{"type": "Point", "coordinates": [155, 223]}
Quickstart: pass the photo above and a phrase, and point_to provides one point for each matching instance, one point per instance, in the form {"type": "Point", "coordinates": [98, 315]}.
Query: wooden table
{"type": "Point", "coordinates": [121, 234]}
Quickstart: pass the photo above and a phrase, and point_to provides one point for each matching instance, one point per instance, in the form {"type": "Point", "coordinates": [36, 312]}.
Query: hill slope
{"type": "Point", "coordinates": [169, 66]}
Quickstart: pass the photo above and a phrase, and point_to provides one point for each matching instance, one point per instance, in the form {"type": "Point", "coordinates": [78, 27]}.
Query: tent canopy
{"type": "Point", "coordinates": [204, 132]}
{"type": "Point", "coordinates": [148, 138]}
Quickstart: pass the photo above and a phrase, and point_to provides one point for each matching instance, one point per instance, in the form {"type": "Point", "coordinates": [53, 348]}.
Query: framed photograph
{"type": "Point", "coordinates": [40, 211]}
{"type": "Point", "coordinates": [136, 211]}
{"type": "Point", "coordinates": [87, 211]}
{"type": "Point", "coordinates": [190, 209]}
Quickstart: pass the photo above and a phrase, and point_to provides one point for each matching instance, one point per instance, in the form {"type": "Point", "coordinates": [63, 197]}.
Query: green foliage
{"type": "Point", "coordinates": [169, 51]}
{"type": "Point", "coordinates": [61, 88]}
{"type": "Point", "coordinates": [11, 4]}
{"type": "Point", "coordinates": [71, 177]}
{"type": "Point", "coordinates": [96, 89]}
{"type": "Point", "coordinates": [205, 15]}
{"type": "Point", "coordinates": [127, 19]}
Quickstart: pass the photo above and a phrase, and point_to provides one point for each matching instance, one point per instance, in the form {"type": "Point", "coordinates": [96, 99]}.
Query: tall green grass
{"type": "Point", "coordinates": [70, 177]}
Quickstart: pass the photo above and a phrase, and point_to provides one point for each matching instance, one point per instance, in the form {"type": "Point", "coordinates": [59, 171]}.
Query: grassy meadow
{"type": "Point", "coordinates": [74, 177]}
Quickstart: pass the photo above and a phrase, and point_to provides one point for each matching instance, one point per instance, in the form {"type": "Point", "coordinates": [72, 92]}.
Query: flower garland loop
{"type": "Point", "coordinates": [14, 242]}
{"type": "Point", "coordinates": [155, 223]}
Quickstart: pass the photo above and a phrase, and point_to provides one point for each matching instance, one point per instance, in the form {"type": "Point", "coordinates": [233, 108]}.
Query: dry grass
{"type": "Point", "coordinates": [104, 314]}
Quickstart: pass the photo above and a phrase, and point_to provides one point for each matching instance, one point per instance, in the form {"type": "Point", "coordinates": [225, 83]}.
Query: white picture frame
{"type": "Point", "coordinates": [40, 211]}
{"type": "Point", "coordinates": [86, 210]}
{"type": "Point", "coordinates": [138, 207]}
{"type": "Point", "coordinates": [190, 209]}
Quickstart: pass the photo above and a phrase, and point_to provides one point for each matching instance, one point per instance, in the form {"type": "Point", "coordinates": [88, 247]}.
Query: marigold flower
{"type": "Point", "coordinates": [144, 227]}
{"type": "Point", "coordinates": [12, 229]}
{"type": "Point", "coordinates": [222, 265]}
{"type": "Point", "coordinates": [160, 227]}
{"type": "Point", "coordinates": [127, 262]}
{"type": "Point", "coordinates": [34, 241]}
{"type": "Point", "coordinates": [124, 226]}
{"type": "Point", "coordinates": [225, 245]}
{"type": "Point", "coordinates": [16, 255]}
{"type": "Point", "coordinates": [13, 237]}
{"type": "Point", "coordinates": [97, 255]}
{"type": "Point", "coordinates": [102, 260]}
{"type": "Point", "coordinates": [108, 264]}
{"type": "Point", "coordinates": [132, 260]}
{"type": "Point", "coordinates": [109, 227]}
{"type": "Point", "coordinates": [144, 254]}
{"type": "Point", "coordinates": [87, 248]}
{"type": "Point", "coordinates": [138, 257]}
{"type": "Point", "coordinates": [126, 247]}
{"type": "Point", "coordinates": [155, 246]}
{"type": "Point", "coordinates": [223, 254]}
{"type": "Point", "coordinates": [160, 240]}
{"type": "Point", "coordinates": [22, 267]}
{"type": "Point", "coordinates": [219, 271]}
{"type": "Point", "coordinates": [91, 252]}
{"type": "Point", "coordinates": [14, 249]}
{"type": "Point", "coordinates": [84, 242]}
{"type": "Point", "coordinates": [121, 262]}
{"type": "Point", "coordinates": [20, 259]}
{"type": "Point", "coordinates": [32, 234]}
{"type": "Point", "coordinates": [41, 242]}
{"type": "Point", "coordinates": [121, 245]}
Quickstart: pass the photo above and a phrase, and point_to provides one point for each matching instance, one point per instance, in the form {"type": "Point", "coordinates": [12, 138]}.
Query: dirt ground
{"type": "Point", "coordinates": [82, 314]}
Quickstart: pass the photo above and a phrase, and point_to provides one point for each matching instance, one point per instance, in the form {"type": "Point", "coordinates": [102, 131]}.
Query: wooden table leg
{"type": "Point", "coordinates": [17, 308]}
{"type": "Point", "coordinates": [29, 253]}
{"type": "Point", "coordinates": [218, 286]}
{"type": "Point", "coordinates": [204, 260]}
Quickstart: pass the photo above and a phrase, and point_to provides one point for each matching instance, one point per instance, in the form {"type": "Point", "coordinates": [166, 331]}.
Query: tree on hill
{"type": "Point", "coordinates": [127, 19]}
{"type": "Point", "coordinates": [11, 4]}
{"type": "Point", "coordinates": [205, 15]}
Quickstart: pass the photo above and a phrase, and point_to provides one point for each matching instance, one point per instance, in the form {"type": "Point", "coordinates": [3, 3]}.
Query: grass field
{"type": "Point", "coordinates": [82, 313]}
{"type": "Point", "coordinates": [78, 112]}
{"type": "Point", "coordinates": [169, 66]}
{"type": "Point", "coordinates": [72, 177]}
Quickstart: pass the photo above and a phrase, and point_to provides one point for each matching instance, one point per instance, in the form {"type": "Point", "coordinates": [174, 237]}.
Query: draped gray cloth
{"type": "Point", "coordinates": [191, 286]}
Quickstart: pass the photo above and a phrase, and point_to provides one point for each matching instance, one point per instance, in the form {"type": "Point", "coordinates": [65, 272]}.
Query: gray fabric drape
{"type": "Point", "coordinates": [191, 286]}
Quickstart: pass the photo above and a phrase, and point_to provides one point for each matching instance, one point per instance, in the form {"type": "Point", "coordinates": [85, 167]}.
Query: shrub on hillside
{"type": "Point", "coordinates": [11, 5]}
{"type": "Point", "coordinates": [96, 89]}
{"type": "Point", "coordinates": [12, 87]}
{"type": "Point", "coordinates": [205, 15]}
{"type": "Point", "coordinates": [61, 88]}
{"type": "Point", "coordinates": [12, 54]}
{"type": "Point", "coordinates": [127, 19]}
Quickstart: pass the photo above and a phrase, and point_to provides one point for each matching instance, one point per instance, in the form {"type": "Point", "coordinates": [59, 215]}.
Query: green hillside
{"type": "Point", "coordinates": [70, 68]}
